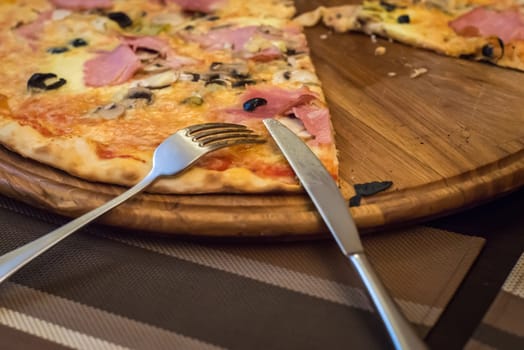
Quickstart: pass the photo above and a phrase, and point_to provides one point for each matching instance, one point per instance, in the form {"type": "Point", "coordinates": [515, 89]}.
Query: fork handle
{"type": "Point", "coordinates": [19, 257]}
{"type": "Point", "coordinates": [400, 331]}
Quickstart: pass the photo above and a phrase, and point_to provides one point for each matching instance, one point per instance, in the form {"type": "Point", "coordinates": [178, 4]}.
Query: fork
{"type": "Point", "coordinates": [173, 155]}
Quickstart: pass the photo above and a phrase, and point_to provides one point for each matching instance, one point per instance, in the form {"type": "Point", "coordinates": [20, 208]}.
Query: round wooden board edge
{"type": "Point", "coordinates": [240, 215]}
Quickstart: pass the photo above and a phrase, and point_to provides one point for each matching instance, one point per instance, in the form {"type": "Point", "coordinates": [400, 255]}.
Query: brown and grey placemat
{"type": "Point", "coordinates": [503, 324]}
{"type": "Point", "coordinates": [104, 288]}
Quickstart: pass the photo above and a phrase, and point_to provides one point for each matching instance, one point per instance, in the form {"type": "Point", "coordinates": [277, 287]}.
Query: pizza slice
{"type": "Point", "coordinates": [92, 87]}
{"type": "Point", "coordinates": [482, 30]}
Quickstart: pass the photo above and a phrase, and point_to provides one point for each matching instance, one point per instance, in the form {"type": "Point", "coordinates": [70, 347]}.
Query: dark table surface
{"type": "Point", "coordinates": [501, 223]}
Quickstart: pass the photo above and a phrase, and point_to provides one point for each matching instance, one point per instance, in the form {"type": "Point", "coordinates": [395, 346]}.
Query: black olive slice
{"type": "Point", "coordinates": [387, 6]}
{"type": "Point", "coordinates": [58, 49]}
{"type": "Point", "coordinates": [243, 82]}
{"type": "Point", "coordinates": [371, 188]}
{"type": "Point", "coordinates": [368, 189]}
{"type": "Point", "coordinates": [78, 42]}
{"type": "Point", "coordinates": [494, 49]}
{"type": "Point", "coordinates": [403, 19]}
{"type": "Point", "coordinates": [42, 81]}
{"type": "Point", "coordinates": [254, 103]}
{"type": "Point", "coordinates": [487, 50]}
{"type": "Point", "coordinates": [120, 18]}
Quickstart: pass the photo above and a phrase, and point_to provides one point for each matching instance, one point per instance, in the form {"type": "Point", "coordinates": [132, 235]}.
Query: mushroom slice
{"type": "Point", "coordinates": [296, 125]}
{"type": "Point", "coordinates": [146, 55]}
{"type": "Point", "coordinates": [158, 81]}
{"type": "Point", "coordinates": [168, 18]}
{"type": "Point", "coordinates": [109, 111]}
{"type": "Point", "coordinates": [296, 75]}
{"type": "Point", "coordinates": [155, 67]}
{"type": "Point", "coordinates": [234, 69]}
{"type": "Point", "coordinates": [137, 97]}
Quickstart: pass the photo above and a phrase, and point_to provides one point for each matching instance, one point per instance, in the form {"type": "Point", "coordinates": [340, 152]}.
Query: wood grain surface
{"type": "Point", "coordinates": [449, 139]}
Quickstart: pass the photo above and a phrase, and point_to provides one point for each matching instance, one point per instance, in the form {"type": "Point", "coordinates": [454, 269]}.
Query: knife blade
{"type": "Point", "coordinates": [328, 200]}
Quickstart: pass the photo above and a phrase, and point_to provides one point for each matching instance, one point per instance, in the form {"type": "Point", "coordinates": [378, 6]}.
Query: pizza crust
{"type": "Point", "coordinates": [513, 56]}
{"type": "Point", "coordinates": [341, 18]}
{"type": "Point", "coordinates": [81, 160]}
{"type": "Point", "coordinates": [432, 33]}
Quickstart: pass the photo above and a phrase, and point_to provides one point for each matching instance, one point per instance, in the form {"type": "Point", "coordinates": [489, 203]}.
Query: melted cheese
{"type": "Point", "coordinates": [69, 66]}
{"type": "Point", "coordinates": [67, 113]}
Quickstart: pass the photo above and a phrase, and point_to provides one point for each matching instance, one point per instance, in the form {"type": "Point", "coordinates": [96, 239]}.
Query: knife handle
{"type": "Point", "coordinates": [400, 331]}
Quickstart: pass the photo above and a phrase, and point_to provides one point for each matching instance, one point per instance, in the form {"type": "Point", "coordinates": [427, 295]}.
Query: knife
{"type": "Point", "coordinates": [332, 207]}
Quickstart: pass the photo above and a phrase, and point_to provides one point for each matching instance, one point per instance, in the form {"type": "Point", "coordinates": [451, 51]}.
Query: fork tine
{"type": "Point", "coordinates": [234, 141]}
{"type": "Point", "coordinates": [218, 135]}
{"type": "Point", "coordinates": [231, 136]}
{"type": "Point", "coordinates": [207, 126]}
{"type": "Point", "coordinates": [206, 133]}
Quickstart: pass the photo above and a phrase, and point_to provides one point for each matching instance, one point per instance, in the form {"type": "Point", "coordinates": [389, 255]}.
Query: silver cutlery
{"type": "Point", "coordinates": [332, 207]}
{"type": "Point", "coordinates": [173, 155]}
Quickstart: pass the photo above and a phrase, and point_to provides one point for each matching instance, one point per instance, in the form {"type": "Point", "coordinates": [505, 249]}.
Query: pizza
{"type": "Point", "coordinates": [482, 30]}
{"type": "Point", "coordinates": [93, 87]}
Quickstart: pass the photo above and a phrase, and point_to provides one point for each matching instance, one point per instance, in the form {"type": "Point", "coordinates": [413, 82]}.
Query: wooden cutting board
{"type": "Point", "coordinates": [449, 139]}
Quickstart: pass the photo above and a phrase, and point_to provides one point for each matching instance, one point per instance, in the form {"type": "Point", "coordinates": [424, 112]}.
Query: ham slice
{"type": "Point", "coordinates": [176, 61]}
{"type": "Point", "coordinates": [204, 6]}
{"type": "Point", "coordinates": [278, 102]}
{"type": "Point", "coordinates": [237, 38]}
{"type": "Point", "coordinates": [150, 43]}
{"type": "Point", "coordinates": [217, 39]}
{"type": "Point", "coordinates": [169, 56]}
{"type": "Point", "coordinates": [316, 121]}
{"type": "Point", "coordinates": [82, 4]}
{"type": "Point", "coordinates": [294, 37]}
{"type": "Point", "coordinates": [118, 66]}
{"type": "Point", "coordinates": [265, 55]}
{"type": "Point", "coordinates": [31, 31]}
{"type": "Point", "coordinates": [111, 68]}
{"type": "Point", "coordinates": [283, 102]}
{"type": "Point", "coordinates": [508, 25]}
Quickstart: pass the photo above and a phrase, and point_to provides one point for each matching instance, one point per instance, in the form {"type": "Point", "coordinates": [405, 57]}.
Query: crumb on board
{"type": "Point", "coordinates": [392, 74]}
{"type": "Point", "coordinates": [416, 72]}
{"type": "Point", "coordinates": [323, 36]}
{"type": "Point", "coordinates": [465, 134]}
{"type": "Point", "coordinates": [373, 38]}
{"type": "Point", "coordinates": [380, 51]}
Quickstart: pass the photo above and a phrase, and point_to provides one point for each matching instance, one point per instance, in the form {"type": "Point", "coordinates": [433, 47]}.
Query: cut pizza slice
{"type": "Point", "coordinates": [483, 30]}
{"type": "Point", "coordinates": [92, 87]}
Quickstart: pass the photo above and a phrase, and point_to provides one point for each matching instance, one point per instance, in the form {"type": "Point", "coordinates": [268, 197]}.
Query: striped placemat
{"type": "Point", "coordinates": [105, 288]}
{"type": "Point", "coordinates": [503, 325]}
